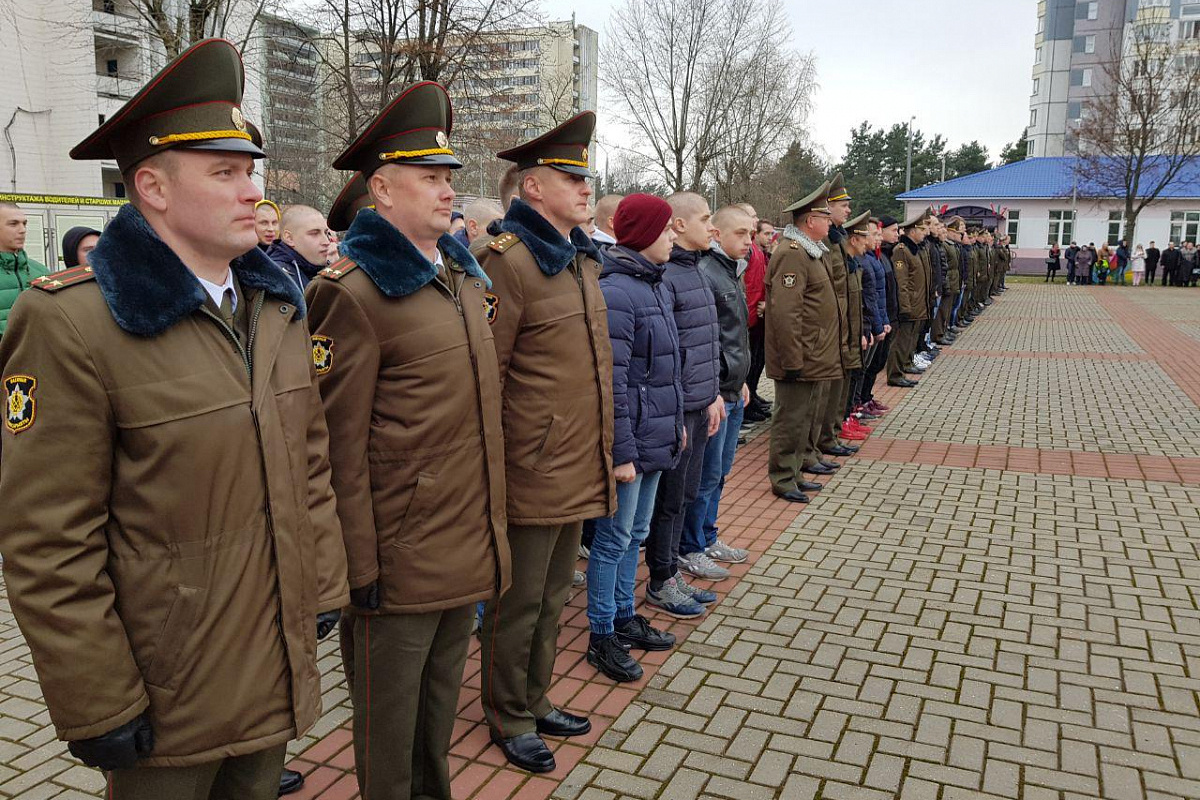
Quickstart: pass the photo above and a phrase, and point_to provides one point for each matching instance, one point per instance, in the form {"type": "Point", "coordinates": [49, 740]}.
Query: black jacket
{"type": "Point", "coordinates": [1152, 256]}
{"type": "Point", "coordinates": [297, 267]}
{"type": "Point", "coordinates": [1170, 258]}
{"type": "Point", "coordinates": [696, 321]}
{"type": "Point", "coordinates": [720, 271]}
{"type": "Point", "coordinates": [889, 283]}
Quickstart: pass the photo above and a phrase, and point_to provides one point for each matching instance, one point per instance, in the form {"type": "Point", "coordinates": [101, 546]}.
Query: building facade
{"type": "Point", "coordinates": [1038, 202]}
{"type": "Point", "coordinates": [1076, 46]}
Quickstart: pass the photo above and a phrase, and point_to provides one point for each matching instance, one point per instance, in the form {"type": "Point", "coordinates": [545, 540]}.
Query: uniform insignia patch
{"type": "Point", "coordinates": [789, 280]}
{"type": "Point", "coordinates": [20, 406]}
{"type": "Point", "coordinates": [491, 305]}
{"type": "Point", "coordinates": [503, 242]}
{"type": "Point", "coordinates": [322, 347]}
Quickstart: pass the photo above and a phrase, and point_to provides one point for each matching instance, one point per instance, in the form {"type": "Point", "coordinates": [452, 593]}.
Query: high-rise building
{"type": "Point", "coordinates": [1076, 45]}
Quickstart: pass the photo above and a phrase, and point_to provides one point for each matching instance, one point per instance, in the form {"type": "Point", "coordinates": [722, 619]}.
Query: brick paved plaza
{"type": "Point", "coordinates": [998, 598]}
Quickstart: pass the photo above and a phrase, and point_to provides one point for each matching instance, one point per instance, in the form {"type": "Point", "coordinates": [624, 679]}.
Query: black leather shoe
{"type": "Point", "coordinates": [754, 415]}
{"type": "Point", "coordinates": [903, 384]}
{"type": "Point", "coordinates": [913, 371]}
{"type": "Point", "coordinates": [853, 448]}
{"type": "Point", "coordinates": [527, 752]}
{"type": "Point", "coordinates": [290, 781]}
{"type": "Point", "coordinates": [563, 723]}
{"type": "Point", "coordinates": [808, 486]}
{"type": "Point", "coordinates": [638, 633]}
{"type": "Point", "coordinates": [838, 450]}
{"type": "Point", "coordinates": [793, 496]}
{"type": "Point", "coordinates": [818, 469]}
{"type": "Point", "coordinates": [613, 660]}
{"type": "Point", "coordinates": [833, 465]}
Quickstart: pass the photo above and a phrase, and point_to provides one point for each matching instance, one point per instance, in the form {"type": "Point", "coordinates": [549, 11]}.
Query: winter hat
{"type": "Point", "coordinates": [71, 240]}
{"type": "Point", "coordinates": [640, 219]}
{"type": "Point", "coordinates": [887, 222]}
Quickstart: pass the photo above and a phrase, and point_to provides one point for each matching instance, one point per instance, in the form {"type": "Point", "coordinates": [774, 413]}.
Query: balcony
{"type": "Point", "coordinates": [121, 87]}
{"type": "Point", "coordinates": [113, 29]}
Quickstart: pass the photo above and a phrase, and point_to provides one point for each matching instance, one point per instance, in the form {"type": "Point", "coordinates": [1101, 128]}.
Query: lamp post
{"type": "Point", "coordinates": [908, 159]}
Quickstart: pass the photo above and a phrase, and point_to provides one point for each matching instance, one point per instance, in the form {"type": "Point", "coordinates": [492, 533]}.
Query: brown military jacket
{"type": "Point", "coordinates": [803, 339]}
{"type": "Point", "coordinates": [953, 264]}
{"type": "Point", "coordinates": [835, 260]}
{"type": "Point", "coordinates": [551, 336]}
{"type": "Point", "coordinates": [412, 396]}
{"type": "Point", "coordinates": [927, 268]}
{"type": "Point", "coordinates": [169, 531]}
{"type": "Point", "coordinates": [910, 281]}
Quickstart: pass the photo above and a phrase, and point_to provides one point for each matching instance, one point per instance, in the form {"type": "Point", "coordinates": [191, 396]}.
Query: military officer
{"type": "Point", "coordinates": [851, 355]}
{"type": "Point", "coordinates": [404, 356]}
{"type": "Point", "coordinates": [550, 326]}
{"type": "Point", "coordinates": [911, 288]}
{"type": "Point", "coordinates": [952, 236]}
{"type": "Point", "coordinates": [173, 575]}
{"type": "Point", "coordinates": [804, 344]}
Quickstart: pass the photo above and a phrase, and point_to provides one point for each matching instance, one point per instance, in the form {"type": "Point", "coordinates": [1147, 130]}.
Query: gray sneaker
{"type": "Point", "coordinates": [578, 579]}
{"type": "Point", "coordinates": [673, 601]}
{"type": "Point", "coordinates": [701, 596]}
{"type": "Point", "coordinates": [723, 552]}
{"type": "Point", "coordinates": [584, 552]}
{"type": "Point", "coordinates": [701, 566]}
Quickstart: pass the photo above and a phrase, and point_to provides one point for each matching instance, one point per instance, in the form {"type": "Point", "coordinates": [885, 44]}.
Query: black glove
{"type": "Point", "coordinates": [366, 596]}
{"type": "Point", "coordinates": [117, 749]}
{"type": "Point", "coordinates": [326, 622]}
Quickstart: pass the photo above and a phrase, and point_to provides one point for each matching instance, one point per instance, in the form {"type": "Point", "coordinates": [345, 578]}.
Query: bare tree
{"type": "Point", "coordinates": [1138, 134]}
{"type": "Point", "coordinates": [681, 74]}
{"type": "Point", "coordinates": [177, 26]}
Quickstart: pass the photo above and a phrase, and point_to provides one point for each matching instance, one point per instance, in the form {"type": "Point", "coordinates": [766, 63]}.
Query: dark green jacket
{"type": "Point", "coordinates": [16, 271]}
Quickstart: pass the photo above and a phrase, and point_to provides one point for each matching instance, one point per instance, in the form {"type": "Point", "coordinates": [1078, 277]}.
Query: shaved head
{"type": "Point", "coordinates": [731, 216]}
{"type": "Point", "coordinates": [295, 217]}
{"type": "Point", "coordinates": [684, 204]}
{"type": "Point", "coordinates": [606, 209]}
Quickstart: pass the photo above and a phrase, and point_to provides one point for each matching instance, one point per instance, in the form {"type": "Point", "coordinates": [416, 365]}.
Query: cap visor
{"type": "Point", "coordinates": [440, 160]}
{"type": "Point", "coordinates": [228, 145]}
{"type": "Point", "coordinates": [584, 171]}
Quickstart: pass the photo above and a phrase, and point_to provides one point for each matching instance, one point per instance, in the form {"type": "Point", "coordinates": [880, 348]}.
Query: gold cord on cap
{"type": "Point", "coordinates": [198, 136]}
{"type": "Point", "coordinates": [432, 151]}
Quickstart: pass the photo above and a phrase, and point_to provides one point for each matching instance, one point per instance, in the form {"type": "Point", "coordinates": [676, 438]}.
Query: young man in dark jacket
{"type": "Point", "coordinates": [700, 355]}
{"type": "Point", "coordinates": [1152, 256]}
{"type": "Point", "coordinates": [1170, 264]}
{"type": "Point", "coordinates": [647, 428]}
{"type": "Point", "coordinates": [699, 546]}
{"type": "Point", "coordinates": [300, 250]}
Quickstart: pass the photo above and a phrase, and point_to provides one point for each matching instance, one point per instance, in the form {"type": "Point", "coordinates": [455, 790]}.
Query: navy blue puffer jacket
{"type": "Point", "coordinates": [647, 394]}
{"type": "Point", "coordinates": [696, 320]}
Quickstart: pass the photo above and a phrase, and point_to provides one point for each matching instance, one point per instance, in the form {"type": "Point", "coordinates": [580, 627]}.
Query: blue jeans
{"type": "Point", "coordinates": [700, 520]}
{"type": "Point", "coordinates": [613, 561]}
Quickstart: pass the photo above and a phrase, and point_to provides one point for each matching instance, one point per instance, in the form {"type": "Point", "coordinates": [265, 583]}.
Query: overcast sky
{"type": "Point", "coordinates": [963, 67]}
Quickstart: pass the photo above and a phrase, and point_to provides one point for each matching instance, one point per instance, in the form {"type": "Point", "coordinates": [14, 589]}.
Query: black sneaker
{"type": "Point", "coordinates": [638, 633]}
{"type": "Point", "coordinates": [613, 660]}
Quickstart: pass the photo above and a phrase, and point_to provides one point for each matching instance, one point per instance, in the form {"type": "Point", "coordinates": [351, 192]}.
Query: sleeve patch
{"type": "Point", "coordinates": [322, 352]}
{"type": "Point", "coordinates": [20, 406]}
{"type": "Point", "coordinates": [491, 307]}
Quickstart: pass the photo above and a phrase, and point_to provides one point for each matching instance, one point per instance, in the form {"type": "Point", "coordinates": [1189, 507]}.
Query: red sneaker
{"type": "Point", "coordinates": [854, 435]}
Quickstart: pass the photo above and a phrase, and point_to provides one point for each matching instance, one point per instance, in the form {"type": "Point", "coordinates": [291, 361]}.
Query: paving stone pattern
{"type": "Point", "coordinates": [995, 604]}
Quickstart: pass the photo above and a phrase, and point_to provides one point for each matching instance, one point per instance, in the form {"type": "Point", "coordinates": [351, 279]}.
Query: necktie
{"type": "Point", "coordinates": [227, 311]}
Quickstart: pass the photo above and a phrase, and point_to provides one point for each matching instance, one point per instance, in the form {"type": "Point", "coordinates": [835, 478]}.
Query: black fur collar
{"type": "Point", "coordinates": [394, 263]}
{"type": "Point", "coordinates": [148, 289]}
{"type": "Point", "coordinates": [550, 250]}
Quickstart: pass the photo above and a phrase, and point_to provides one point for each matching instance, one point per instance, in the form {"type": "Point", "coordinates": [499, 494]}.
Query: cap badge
{"type": "Point", "coordinates": [239, 121]}
{"type": "Point", "coordinates": [443, 140]}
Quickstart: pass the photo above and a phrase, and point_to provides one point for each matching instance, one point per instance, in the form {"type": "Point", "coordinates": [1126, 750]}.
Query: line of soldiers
{"type": "Point", "coordinates": [845, 297]}
{"type": "Point", "coordinates": [205, 471]}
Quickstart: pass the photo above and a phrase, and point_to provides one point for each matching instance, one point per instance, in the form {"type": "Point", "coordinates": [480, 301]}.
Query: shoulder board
{"type": "Point", "coordinates": [503, 242]}
{"type": "Point", "coordinates": [338, 269]}
{"type": "Point", "coordinates": [62, 279]}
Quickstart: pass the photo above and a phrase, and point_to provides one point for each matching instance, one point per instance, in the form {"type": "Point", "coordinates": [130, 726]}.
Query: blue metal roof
{"type": "Point", "coordinates": [1039, 177]}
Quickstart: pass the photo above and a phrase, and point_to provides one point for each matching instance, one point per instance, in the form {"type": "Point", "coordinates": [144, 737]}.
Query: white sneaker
{"type": "Point", "coordinates": [578, 579]}
{"type": "Point", "coordinates": [700, 565]}
{"type": "Point", "coordinates": [730, 555]}
{"type": "Point", "coordinates": [584, 552]}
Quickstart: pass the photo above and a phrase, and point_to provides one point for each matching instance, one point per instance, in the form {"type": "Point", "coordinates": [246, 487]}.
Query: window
{"type": "Point", "coordinates": [1185, 226]}
{"type": "Point", "coordinates": [101, 119]}
{"type": "Point", "coordinates": [1189, 29]}
{"type": "Point", "coordinates": [1014, 224]}
{"type": "Point", "coordinates": [1037, 56]}
{"type": "Point", "coordinates": [110, 66]}
{"type": "Point", "coordinates": [1041, 28]}
{"type": "Point", "coordinates": [1083, 44]}
{"type": "Point", "coordinates": [1062, 228]}
{"type": "Point", "coordinates": [1077, 77]}
{"type": "Point", "coordinates": [1116, 220]}
{"type": "Point", "coordinates": [118, 189]}
{"type": "Point", "coordinates": [1037, 85]}
{"type": "Point", "coordinates": [1033, 117]}
{"type": "Point", "coordinates": [1087, 10]}
{"type": "Point", "coordinates": [1074, 110]}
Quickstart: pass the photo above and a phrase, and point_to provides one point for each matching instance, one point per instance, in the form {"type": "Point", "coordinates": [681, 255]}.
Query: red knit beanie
{"type": "Point", "coordinates": [640, 219]}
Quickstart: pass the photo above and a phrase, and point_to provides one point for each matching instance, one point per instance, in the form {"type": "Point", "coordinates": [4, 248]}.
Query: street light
{"type": "Point", "coordinates": [908, 160]}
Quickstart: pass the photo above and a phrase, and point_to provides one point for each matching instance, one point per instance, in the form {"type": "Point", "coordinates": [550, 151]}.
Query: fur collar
{"type": "Point", "coordinates": [814, 249]}
{"type": "Point", "coordinates": [550, 250]}
{"type": "Point", "coordinates": [148, 289]}
{"type": "Point", "coordinates": [394, 263]}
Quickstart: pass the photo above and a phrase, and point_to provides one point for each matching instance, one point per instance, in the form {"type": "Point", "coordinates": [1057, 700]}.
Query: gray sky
{"type": "Point", "coordinates": [963, 67]}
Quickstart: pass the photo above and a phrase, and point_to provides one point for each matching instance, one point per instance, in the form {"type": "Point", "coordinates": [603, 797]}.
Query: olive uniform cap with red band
{"type": "Point", "coordinates": [837, 189]}
{"type": "Point", "coordinates": [564, 148]}
{"type": "Point", "coordinates": [817, 200]}
{"type": "Point", "coordinates": [195, 102]}
{"type": "Point", "coordinates": [353, 198]}
{"type": "Point", "coordinates": [413, 129]}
